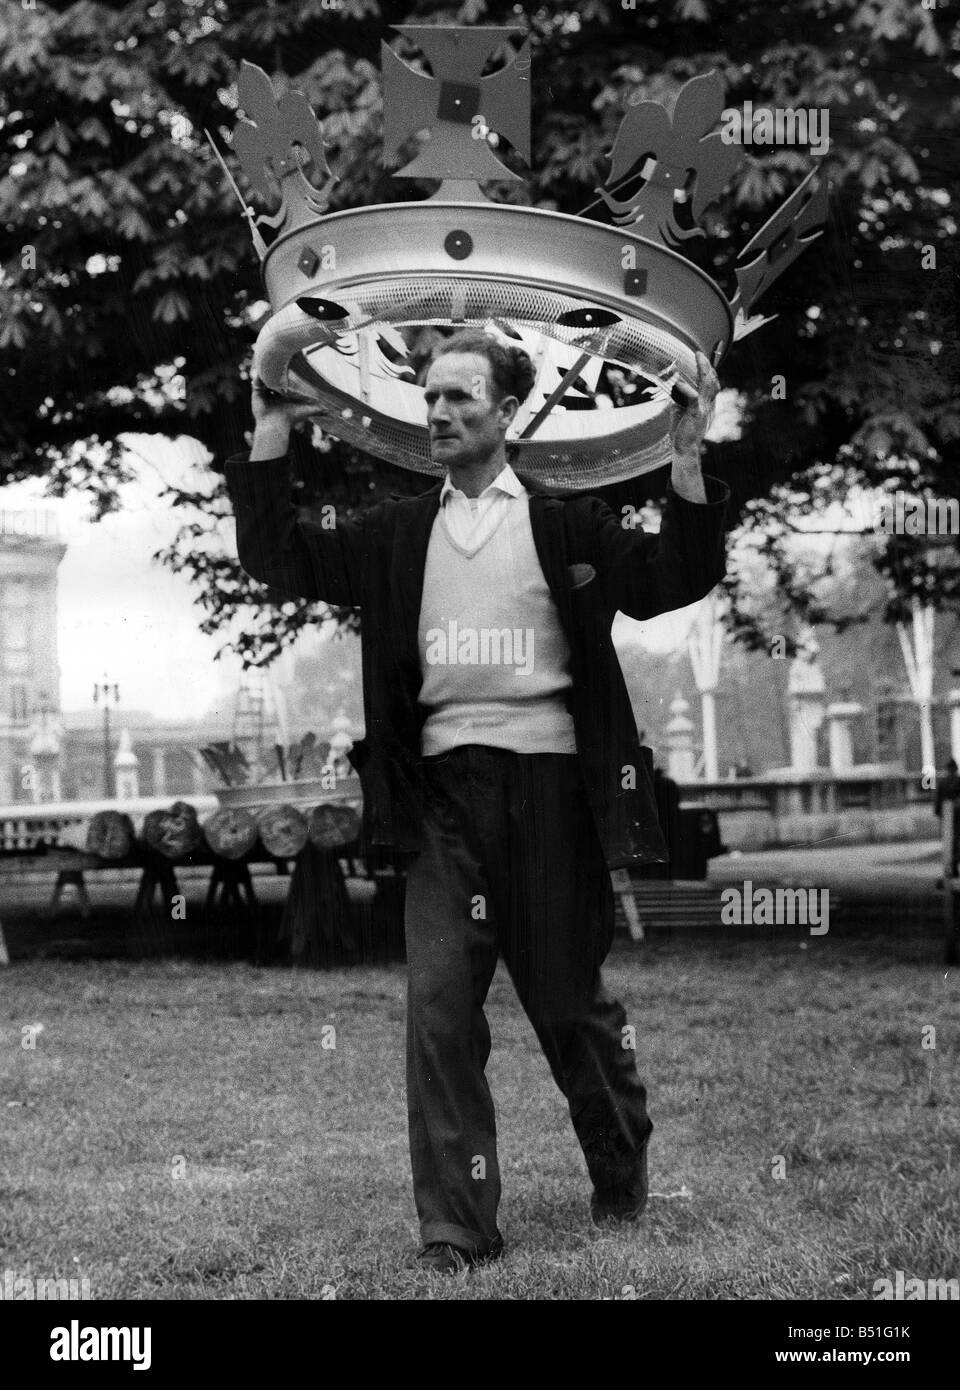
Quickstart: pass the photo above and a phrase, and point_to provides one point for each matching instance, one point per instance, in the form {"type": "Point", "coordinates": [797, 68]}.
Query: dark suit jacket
{"type": "Point", "coordinates": [593, 567]}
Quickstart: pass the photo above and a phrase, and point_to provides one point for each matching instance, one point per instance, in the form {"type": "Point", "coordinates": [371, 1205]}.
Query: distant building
{"type": "Point", "coordinates": [46, 755]}
{"type": "Point", "coordinates": [30, 554]}
{"type": "Point", "coordinates": [166, 750]}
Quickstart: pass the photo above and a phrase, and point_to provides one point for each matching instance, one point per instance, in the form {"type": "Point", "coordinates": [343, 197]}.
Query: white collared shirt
{"type": "Point", "coordinates": [470, 521]}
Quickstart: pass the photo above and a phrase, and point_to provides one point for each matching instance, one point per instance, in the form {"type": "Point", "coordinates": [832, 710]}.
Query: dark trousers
{"type": "Point", "coordinates": [510, 863]}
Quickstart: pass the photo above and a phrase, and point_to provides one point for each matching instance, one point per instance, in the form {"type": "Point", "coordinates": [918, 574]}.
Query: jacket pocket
{"type": "Point", "coordinates": [581, 575]}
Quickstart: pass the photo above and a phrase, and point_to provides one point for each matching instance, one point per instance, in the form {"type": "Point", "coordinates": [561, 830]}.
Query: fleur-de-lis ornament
{"type": "Point", "coordinates": [687, 156]}
{"type": "Point", "coordinates": [265, 142]}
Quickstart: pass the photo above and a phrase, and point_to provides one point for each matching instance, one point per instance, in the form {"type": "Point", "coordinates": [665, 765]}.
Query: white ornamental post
{"type": "Point", "coordinates": [159, 771]}
{"type": "Point", "coordinates": [679, 741]}
{"type": "Point", "coordinates": [806, 688]}
{"type": "Point", "coordinates": [918, 659]}
{"type": "Point", "coordinates": [953, 700]}
{"type": "Point", "coordinates": [125, 766]}
{"type": "Point", "coordinates": [841, 716]}
{"type": "Point", "coordinates": [45, 749]}
{"type": "Point", "coordinates": [704, 645]}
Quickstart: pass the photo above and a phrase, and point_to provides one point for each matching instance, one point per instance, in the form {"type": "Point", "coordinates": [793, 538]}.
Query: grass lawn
{"type": "Point", "coordinates": [180, 1131]}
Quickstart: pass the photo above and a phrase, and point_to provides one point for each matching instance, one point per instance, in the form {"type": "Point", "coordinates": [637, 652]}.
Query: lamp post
{"type": "Point", "coordinates": [704, 644]}
{"type": "Point", "coordinates": [103, 689]}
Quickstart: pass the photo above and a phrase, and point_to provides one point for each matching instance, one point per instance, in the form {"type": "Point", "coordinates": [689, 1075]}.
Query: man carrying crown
{"type": "Point", "coordinates": [501, 755]}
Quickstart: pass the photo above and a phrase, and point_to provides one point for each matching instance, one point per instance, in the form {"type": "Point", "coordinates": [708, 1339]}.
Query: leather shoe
{"type": "Point", "coordinates": [442, 1257]}
{"type": "Point", "coordinates": [612, 1207]}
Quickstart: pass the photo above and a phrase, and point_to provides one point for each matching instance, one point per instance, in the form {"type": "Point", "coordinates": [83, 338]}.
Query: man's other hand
{"type": "Point", "coordinates": [691, 422]}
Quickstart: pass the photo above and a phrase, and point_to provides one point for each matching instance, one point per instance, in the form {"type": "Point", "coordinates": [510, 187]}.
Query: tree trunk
{"type": "Point", "coordinates": [316, 916]}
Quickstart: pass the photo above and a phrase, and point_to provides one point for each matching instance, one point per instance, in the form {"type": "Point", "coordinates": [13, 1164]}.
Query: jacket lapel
{"type": "Point", "coordinates": [546, 523]}
{"type": "Point", "coordinates": [407, 564]}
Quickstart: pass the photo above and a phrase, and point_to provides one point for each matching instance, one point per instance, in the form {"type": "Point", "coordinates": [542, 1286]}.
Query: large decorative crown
{"type": "Point", "coordinates": [349, 290]}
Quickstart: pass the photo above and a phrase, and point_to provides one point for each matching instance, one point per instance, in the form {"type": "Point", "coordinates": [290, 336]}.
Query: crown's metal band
{"type": "Point", "coordinates": [391, 266]}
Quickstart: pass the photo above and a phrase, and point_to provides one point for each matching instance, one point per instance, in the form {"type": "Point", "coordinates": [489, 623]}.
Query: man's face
{"type": "Point", "coordinates": [466, 423]}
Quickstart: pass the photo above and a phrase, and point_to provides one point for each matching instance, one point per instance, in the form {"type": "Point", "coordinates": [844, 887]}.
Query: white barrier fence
{"type": "Point", "coordinates": [65, 822]}
{"type": "Point", "coordinates": [887, 803]}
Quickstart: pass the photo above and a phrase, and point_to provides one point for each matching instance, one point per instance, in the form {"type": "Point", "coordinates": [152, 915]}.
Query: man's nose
{"type": "Point", "coordinates": [439, 410]}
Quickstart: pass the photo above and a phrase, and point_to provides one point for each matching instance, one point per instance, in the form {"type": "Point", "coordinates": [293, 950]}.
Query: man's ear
{"type": "Point", "coordinates": [507, 410]}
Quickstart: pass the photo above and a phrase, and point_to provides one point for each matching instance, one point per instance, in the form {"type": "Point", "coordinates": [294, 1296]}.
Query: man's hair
{"type": "Point", "coordinates": [511, 370]}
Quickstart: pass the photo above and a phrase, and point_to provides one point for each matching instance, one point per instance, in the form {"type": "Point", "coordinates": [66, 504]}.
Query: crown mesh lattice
{"type": "Point", "coordinates": [570, 451]}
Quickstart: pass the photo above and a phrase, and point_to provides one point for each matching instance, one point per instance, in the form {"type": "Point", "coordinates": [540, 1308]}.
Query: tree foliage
{"type": "Point", "coordinates": [130, 296]}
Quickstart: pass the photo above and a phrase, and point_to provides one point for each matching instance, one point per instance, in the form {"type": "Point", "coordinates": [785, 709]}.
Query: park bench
{"type": "Point", "coordinates": [663, 906]}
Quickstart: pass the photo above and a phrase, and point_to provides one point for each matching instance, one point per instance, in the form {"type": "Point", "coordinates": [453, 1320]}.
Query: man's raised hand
{"type": "Point", "coordinates": [274, 416]}
{"type": "Point", "coordinates": [691, 422]}
{"type": "Point", "coordinates": [292, 406]}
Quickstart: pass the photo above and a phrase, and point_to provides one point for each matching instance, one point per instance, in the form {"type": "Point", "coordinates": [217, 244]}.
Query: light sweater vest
{"type": "Point", "coordinates": [494, 658]}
